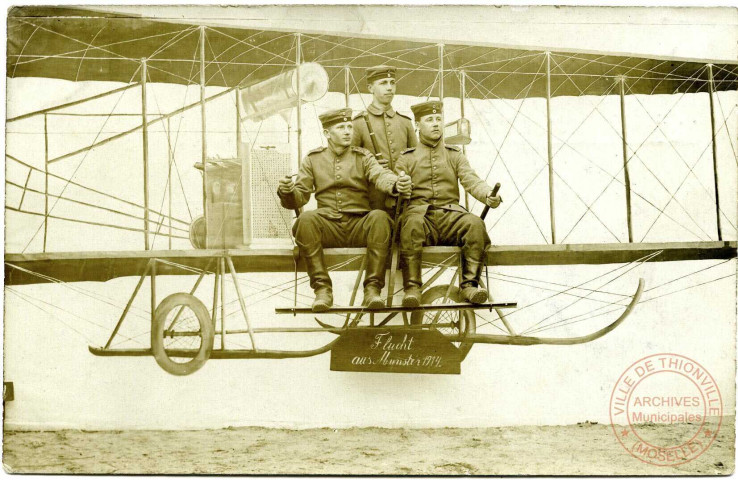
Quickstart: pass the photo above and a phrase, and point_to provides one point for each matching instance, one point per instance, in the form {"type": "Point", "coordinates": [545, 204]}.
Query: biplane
{"type": "Point", "coordinates": [265, 75]}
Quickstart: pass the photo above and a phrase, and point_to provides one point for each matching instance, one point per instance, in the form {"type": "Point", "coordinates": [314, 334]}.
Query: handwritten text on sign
{"type": "Point", "coordinates": [395, 350]}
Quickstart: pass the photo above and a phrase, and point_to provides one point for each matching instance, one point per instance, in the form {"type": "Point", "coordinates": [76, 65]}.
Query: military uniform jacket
{"type": "Point", "coordinates": [341, 183]}
{"type": "Point", "coordinates": [436, 171]}
{"type": "Point", "coordinates": [393, 132]}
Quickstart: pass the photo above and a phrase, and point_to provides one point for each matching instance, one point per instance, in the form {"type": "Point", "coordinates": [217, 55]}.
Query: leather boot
{"type": "Point", "coordinates": [470, 274]}
{"type": "Point", "coordinates": [320, 281]}
{"type": "Point", "coordinates": [376, 264]}
{"type": "Point", "coordinates": [412, 278]}
{"type": "Point", "coordinates": [323, 300]}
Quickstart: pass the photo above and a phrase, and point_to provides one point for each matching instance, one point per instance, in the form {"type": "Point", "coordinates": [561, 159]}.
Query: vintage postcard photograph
{"type": "Point", "coordinates": [370, 240]}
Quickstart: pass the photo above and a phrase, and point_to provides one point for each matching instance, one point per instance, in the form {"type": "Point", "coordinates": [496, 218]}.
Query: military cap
{"type": "Point", "coordinates": [380, 71]}
{"type": "Point", "coordinates": [426, 108]}
{"type": "Point", "coordinates": [328, 119]}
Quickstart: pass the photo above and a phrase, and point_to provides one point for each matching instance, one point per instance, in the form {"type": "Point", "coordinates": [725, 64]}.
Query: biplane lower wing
{"type": "Point", "coordinates": [21, 269]}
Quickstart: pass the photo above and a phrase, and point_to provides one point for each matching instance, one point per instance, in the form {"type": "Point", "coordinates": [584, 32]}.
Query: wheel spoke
{"type": "Point", "coordinates": [453, 323]}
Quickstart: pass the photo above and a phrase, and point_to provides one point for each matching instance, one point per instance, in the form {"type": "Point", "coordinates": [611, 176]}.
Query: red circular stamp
{"type": "Point", "coordinates": [666, 409]}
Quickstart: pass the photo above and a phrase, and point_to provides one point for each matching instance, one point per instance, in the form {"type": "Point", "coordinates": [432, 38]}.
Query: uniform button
{"type": "Point", "coordinates": [339, 194]}
{"type": "Point", "coordinates": [434, 167]}
{"type": "Point", "coordinates": [338, 177]}
{"type": "Point", "coordinates": [338, 168]}
{"type": "Point", "coordinates": [390, 142]}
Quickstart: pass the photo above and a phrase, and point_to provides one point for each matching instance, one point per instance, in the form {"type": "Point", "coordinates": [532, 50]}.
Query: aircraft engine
{"type": "Point", "coordinates": [280, 92]}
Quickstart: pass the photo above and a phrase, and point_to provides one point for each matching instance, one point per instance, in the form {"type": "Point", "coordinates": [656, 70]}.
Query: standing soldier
{"type": "Point", "coordinates": [340, 176]}
{"type": "Point", "coordinates": [434, 216]}
{"type": "Point", "coordinates": [380, 129]}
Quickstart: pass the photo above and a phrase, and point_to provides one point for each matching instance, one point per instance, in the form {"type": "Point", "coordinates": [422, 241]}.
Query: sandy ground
{"type": "Point", "coordinates": [566, 450]}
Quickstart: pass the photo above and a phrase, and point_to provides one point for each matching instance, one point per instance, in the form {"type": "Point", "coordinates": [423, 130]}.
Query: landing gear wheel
{"type": "Point", "coordinates": [181, 334]}
{"type": "Point", "coordinates": [463, 322]}
{"type": "Point", "coordinates": [197, 232]}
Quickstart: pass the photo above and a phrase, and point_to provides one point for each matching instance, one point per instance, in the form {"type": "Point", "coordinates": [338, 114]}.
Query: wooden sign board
{"type": "Point", "coordinates": [395, 351]}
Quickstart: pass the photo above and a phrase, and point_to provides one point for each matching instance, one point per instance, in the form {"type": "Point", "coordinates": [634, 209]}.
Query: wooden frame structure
{"type": "Point", "coordinates": [465, 334]}
{"type": "Point", "coordinates": [104, 266]}
{"type": "Point", "coordinates": [22, 268]}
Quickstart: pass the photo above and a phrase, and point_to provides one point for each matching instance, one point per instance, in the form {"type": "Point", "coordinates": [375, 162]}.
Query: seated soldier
{"type": "Point", "coordinates": [434, 216]}
{"type": "Point", "coordinates": [340, 176]}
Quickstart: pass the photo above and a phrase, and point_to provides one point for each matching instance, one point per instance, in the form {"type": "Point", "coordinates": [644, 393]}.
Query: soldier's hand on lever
{"type": "Point", "coordinates": [404, 185]}
{"type": "Point", "coordinates": [493, 199]}
{"type": "Point", "coordinates": [286, 185]}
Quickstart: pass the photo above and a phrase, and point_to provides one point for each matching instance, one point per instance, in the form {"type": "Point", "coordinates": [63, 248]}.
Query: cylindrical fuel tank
{"type": "Point", "coordinates": [279, 93]}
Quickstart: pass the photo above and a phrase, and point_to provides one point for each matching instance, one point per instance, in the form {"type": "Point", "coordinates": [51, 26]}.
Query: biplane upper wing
{"type": "Point", "coordinates": [79, 45]}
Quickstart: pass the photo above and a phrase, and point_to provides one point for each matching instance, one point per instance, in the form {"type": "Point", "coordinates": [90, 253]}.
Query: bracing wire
{"type": "Point", "coordinates": [628, 267]}
{"type": "Point", "coordinates": [30, 300]}
{"type": "Point", "coordinates": [498, 155]}
{"type": "Point", "coordinates": [592, 313]}
{"type": "Point", "coordinates": [84, 157]}
{"type": "Point", "coordinates": [689, 172]}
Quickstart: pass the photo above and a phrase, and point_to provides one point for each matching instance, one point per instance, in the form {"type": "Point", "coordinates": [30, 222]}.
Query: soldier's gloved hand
{"type": "Point", "coordinates": [404, 185]}
{"type": "Point", "coordinates": [493, 201]}
{"type": "Point", "coordinates": [286, 185]}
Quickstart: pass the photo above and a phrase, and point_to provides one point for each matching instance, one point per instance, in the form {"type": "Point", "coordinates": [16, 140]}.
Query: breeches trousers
{"type": "Point", "coordinates": [444, 227]}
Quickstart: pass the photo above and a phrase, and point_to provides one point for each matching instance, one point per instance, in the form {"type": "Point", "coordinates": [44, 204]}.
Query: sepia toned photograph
{"type": "Point", "coordinates": [370, 240]}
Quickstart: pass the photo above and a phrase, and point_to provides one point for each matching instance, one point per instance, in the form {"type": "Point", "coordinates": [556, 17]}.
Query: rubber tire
{"type": "Point", "coordinates": [157, 331]}
{"type": "Point", "coordinates": [468, 316]}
